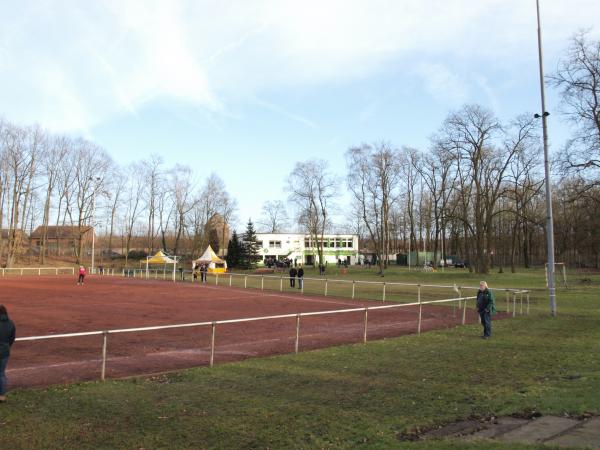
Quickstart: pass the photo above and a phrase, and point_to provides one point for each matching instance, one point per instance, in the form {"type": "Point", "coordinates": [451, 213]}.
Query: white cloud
{"type": "Point", "coordinates": [72, 64]}
{"type": "Point", "coordinates": [442, 84]}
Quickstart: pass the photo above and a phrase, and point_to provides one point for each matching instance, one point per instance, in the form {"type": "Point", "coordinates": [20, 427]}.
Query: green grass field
{"type": "Point", "coordinates": [374, 395]}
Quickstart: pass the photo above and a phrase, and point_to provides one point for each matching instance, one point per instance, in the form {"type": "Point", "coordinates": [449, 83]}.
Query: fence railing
{"type": "Point", "coordinates": [37, 270]}
{"type": "Point", "coordinates": [384, 286]}
{"type": "Point", "coordinates": [213, 324]}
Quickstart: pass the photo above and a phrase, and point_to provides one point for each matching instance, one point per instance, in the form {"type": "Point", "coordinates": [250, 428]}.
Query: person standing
{"type": "Point", "coordinates": [293, 273]}
{"type": "Point", "coordinates": [7, 337]}
{"type": "Point", "coordinates": [81, 275]}
{"type": "Point", "coordinates": [300, 277]}
{"type": "Point", "coordinates": [486, 306]}
{"type": "Point", "coordinates": [203, 269]}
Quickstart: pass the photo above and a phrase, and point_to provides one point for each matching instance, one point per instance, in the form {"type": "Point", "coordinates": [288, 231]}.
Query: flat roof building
{"type": "Point", "coordinates": [300, 248]}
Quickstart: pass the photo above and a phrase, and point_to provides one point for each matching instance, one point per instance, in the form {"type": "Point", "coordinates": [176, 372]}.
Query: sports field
{"type": "Point", "coordinates": [53, 305]}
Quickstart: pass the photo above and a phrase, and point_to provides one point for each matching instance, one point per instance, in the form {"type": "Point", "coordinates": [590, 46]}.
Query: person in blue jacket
{"type": "Point", "coordinates": [7, 337]}
{"type": "Point", "coordinates": [486, 306]}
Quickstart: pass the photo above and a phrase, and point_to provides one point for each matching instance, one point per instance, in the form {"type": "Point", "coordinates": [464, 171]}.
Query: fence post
{"type": "Point", "coordinates": [383, 297]}
{"type": "Point", "coordinates": [297, 332]}
{"type": "Point", "coordinates": [464, 317]}
{"type": "Point", "coordinates": [353, 284]}
{"type": "Point", "coordinates": [527, 302]}
{"type": "Point", "coordinates": [104, 342]}
{"type": "Point", "coordinates": [212, 344]}
{"type": "Point", "coordinates": [366, 320]}
{"type": "Point", "coordinates": [216, 279]}
{"type": "Point", "coordinates": [514, 304]}
{"type": "Point", "coordinates": [420, 311]}
{"type": "Point", "coordinates": [325, 287]}
{"type": "Point", "coordinates": [245, 281]}
{"type": "Point", "coordinates": [230, 277]}
{"type": "Point", "coordinates": [281, 284]}
{"type": "Point", "coordinates": [21, 272]}
{"type": "Point", "coordinates": [262, 282]}
{"type": "Point", "coordinates": [521, 309]}
{"type": "Point", "coordinates": [39, 272]}
{"type": "Point", "coordinates": [507, 303]}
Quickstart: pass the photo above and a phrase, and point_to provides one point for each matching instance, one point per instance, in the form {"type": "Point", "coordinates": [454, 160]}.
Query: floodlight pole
{"type": "Point", "coordinates": [93, 228]}
{"type": "Point", "coordinates": [549, 220]}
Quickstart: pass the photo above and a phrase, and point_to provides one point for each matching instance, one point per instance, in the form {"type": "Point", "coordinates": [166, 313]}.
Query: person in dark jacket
{"type": "Point", "coordinates": [7, 337]}
{"type": "Point", "coordinates": [293, 273]}
{"type": "Point", "coordinates": [300, 277]}
{"type": "Point", "coordinates": [485, 304]}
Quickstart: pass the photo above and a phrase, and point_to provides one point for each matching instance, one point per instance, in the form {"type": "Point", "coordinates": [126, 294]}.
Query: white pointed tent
{"type": "Point", "coordinates": [161, 258]}
{"type": "Point", "coordinates": [209, 257]}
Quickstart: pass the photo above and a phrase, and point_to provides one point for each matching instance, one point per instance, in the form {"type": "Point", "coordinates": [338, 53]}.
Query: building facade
{"type": "Point", "coordinates": [300, 248]}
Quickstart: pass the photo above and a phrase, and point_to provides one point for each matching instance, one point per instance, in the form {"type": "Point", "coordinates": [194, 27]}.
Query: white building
{"type": "Point", "coordinates": [301, 249]}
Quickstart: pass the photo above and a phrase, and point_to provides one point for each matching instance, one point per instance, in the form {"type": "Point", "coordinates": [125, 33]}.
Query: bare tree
{"type": "Point", "coordinates": [20, 149]}
{"type": "Point", "coordinates": [473, 133]}
{"type": "Point", "coordinates": [373, 176]}
{"type": "Point", "coordinates": [154, 175]}
{"type": "Point", "coordinates": [116, 187]}
{"type": "Point", "coordinates": [578, 78]}
{"type": "Point", "coordinates": [90, 166]}
{"type": "Point", "coordinates": [136, 184]}
{"type": "Point", "coordinates": [182, 196]}
{"type": "Point", "coordinates": [52, 160]}
{"type": "Point", "coordinates": [274, 217]}
{"type": "Point", "coordinates": [312, 189]}
{"type": "Point", "coordinates": [437, 173]}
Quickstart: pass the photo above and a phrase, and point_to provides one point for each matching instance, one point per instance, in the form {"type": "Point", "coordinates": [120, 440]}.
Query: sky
{"type": "Point", "coordinates": [247, 88]}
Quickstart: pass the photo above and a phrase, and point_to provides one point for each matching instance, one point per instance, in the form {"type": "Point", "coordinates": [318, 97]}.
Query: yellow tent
{"type": "Point", "coordinates": [161, 258]}
{"type": "Point", "coordinates": [209, 257]}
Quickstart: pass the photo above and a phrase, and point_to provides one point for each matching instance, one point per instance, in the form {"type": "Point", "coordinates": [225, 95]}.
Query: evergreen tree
{"type": "Point", "coordinates": [234, 251]}
{"type": "Point", "coordinates": [250, 254]}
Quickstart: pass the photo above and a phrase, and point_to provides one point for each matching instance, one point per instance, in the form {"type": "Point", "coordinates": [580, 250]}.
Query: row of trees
{"type": "Point", "coordinates": [49, 180]}
{"type": "Point", "coordinates": [478, 190]}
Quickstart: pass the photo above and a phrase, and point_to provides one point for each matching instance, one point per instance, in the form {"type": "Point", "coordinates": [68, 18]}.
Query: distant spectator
{"type": "Point", "coordinates": [293, 273]}
{"type": "Point", "coordinates": [486, 306]}
{"type": "Point", "coordinates": [300, 277]}
{"type": "Point", "coordinates": [7, 338]}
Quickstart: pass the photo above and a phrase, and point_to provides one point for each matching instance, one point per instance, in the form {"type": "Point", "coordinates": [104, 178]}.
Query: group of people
{"type": "Point", "coordinates": [296, 273]}
{"type": "Point", "coordinates": [280, 263]}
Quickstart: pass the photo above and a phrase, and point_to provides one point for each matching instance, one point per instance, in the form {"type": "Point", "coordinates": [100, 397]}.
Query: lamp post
{"type": "Point", "coordinates": [96, 181]}
{"type": "Point", "coordinates": [549, 220]}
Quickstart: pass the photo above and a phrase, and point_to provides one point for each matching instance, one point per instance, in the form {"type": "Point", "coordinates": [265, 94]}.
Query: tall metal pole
{"type": "Point", "coordinates": [549, 220]}
{"type": "Point", "coordinates": [93, 228]}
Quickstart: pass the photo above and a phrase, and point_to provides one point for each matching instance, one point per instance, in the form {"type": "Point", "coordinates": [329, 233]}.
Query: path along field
{"type": "Point", "coordinates": [56, 305]}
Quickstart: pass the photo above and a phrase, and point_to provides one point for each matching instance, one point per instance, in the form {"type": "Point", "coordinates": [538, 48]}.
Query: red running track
{"type": "Point", "coordinates": [56, 305]}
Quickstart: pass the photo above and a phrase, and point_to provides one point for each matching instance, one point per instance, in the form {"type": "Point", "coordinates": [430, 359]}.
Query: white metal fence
{"type": "Point", "coordinates": [515, 298]}
{"type": "Point", "coordinates": [511, 294]}
{"type": "Point", "coordinates": [214, 324]}
{"type": "Point", "coordinates": [37, 271]}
